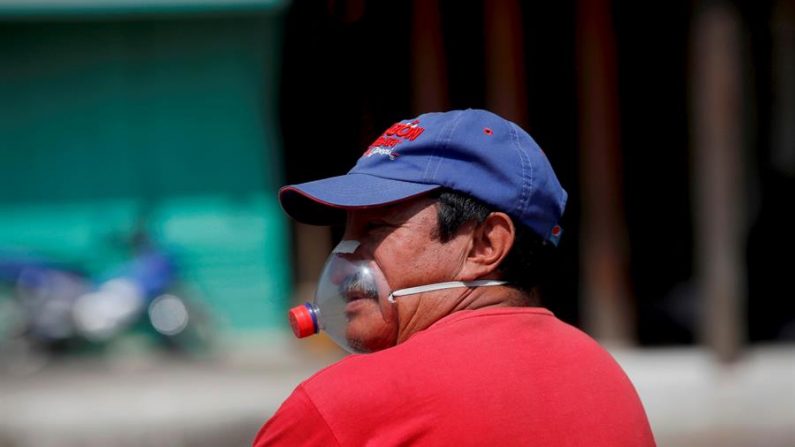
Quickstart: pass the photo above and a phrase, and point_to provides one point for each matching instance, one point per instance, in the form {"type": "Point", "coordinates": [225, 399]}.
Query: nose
{"type": "Point", "coordinates": [344, 263]}
{"type": "Point", "coordinates": [351, 233]}
{"type": "Point", "coordinates": [338, 275]}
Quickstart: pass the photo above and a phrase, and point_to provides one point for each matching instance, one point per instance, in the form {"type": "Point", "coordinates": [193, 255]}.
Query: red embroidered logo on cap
{"type": "Point", "coordinates": [396, 134]}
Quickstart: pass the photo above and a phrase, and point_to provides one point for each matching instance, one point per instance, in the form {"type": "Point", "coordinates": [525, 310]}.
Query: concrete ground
{"type": "Point", "coordinates": [693, 401]}
{"type": "Point", "coordinates": [153, 400]}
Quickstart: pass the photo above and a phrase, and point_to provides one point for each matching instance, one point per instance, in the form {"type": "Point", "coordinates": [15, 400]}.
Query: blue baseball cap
{"type": "Point", "coordinates": [471, 151]}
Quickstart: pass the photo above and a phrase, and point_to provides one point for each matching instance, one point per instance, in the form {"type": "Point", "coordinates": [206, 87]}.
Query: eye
{"type": "Point", "coordinates": [377, 225]}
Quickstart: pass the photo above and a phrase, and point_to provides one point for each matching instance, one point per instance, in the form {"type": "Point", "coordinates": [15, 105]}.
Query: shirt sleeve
{"type": "Point", "coordinates": [296, 422]}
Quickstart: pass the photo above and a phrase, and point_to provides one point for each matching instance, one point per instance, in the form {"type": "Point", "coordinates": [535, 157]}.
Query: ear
{"type": "Point", "coordinates": [491, 242]}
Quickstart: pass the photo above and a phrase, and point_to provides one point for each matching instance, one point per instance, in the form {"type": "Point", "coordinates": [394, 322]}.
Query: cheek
{"type": "Point", "coordinates": [427, 263]}
{"type": "Point", "coordinates": [402, 261]}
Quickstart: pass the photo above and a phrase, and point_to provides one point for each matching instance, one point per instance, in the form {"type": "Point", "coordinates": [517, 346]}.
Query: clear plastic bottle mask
{"type": "Point", "coordinates": [345, 280]}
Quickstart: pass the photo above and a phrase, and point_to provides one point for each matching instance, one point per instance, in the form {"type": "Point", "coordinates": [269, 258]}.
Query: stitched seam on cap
{"type": "Point", "coordinates": [426, 176]}
{"type": "Point", "coordinates": [445, 135]}
{"type": "Point", "coordinates": [527, 181]}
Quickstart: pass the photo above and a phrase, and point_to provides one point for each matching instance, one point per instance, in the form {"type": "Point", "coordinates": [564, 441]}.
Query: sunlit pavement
{"type": "Point", "coordinates": [692, 400]}
{"type": "Point", "coordinates": [154, 400]}
{"type": "Point", "coordinates": [158, 401]}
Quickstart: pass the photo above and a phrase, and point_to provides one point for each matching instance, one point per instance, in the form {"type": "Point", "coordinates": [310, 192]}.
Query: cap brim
{"type": "Point", "coordinates": [324, 202]}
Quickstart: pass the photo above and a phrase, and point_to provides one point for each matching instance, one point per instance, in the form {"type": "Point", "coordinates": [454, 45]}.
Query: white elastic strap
{"type": "Point", "coordinates": [442, 286]}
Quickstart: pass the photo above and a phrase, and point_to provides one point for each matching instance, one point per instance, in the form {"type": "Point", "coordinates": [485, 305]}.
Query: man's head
{"type": "Point", "coordinates": [455, 196]}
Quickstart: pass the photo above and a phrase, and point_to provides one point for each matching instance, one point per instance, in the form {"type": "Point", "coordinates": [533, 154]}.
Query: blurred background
{"type": "Point", "coordinates": [146, 266]}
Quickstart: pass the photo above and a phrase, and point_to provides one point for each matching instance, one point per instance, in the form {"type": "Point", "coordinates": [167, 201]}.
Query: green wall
{"type": "Point", "coordinates": [106, 121]}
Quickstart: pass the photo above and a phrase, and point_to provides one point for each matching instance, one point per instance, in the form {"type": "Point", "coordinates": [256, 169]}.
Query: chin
{"type": "Point", "coordinates": [367, 340]}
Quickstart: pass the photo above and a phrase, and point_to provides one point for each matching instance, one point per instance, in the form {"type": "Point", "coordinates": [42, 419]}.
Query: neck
{"type": "Point", "coordinates": [420, 311]}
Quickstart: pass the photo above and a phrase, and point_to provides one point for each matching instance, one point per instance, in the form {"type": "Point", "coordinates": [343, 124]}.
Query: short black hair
{"type": "Point", "coordinates": [528, 263]}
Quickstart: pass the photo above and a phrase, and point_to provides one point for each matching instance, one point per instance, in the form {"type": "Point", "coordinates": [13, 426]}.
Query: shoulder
{"type": "Point", "coordinates": [442, 353]}
{"type": "Point", "coordinates": [440, 383]}
{"type": "Point", "coordinates": [356, 372]}
{"type": "Point", "coordinates": [296, 422]}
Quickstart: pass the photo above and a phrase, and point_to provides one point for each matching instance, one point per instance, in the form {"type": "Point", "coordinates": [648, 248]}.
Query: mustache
{"type": "Point", "coordinates": [358, 285]}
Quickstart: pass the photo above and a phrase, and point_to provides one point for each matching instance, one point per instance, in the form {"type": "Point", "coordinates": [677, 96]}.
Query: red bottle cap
{"type": "Point", "coordinates": [301, 321]}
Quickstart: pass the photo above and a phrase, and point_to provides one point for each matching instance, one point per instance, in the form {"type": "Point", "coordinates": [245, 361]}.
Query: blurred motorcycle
{"type": "Point", "coordinates": [48, 309]}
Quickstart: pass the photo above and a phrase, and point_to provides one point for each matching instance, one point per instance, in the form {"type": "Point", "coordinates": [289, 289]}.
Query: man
{"type": "Point", "coordinates": [448, 221]}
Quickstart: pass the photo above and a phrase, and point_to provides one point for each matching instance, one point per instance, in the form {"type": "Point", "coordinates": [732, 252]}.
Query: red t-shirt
{"type": "Point", "coordinates": [502, 376]}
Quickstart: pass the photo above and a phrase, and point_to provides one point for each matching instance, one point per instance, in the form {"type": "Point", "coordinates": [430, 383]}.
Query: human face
{"type": "Point", "coordinates": [401, 240]}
